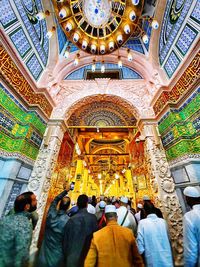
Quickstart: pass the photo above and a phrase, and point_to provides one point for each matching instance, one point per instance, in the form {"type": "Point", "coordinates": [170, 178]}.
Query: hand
{"type": "Point", "coordinates": [66, 186]}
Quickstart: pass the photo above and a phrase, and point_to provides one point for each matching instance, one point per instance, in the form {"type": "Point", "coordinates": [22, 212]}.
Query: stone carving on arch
{"type": "Point", "coordinates": [132, 96]}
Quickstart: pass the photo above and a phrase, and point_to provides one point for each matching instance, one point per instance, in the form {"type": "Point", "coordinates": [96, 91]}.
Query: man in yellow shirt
{"type": "Point", "coordinates": [113, 246]}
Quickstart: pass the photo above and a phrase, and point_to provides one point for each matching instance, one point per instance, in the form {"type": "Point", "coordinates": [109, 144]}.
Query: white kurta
{"type": "Point", "coordinates": [153, 241]}
{"type": "Point", "coordinates": [129, 221]}
{"type": "Point", "coordinates": [191, 234]}
{"type": "Point", "coordinates": [137, 216]}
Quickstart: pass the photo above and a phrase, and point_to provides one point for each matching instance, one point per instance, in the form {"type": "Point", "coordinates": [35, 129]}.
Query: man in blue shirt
{"type": "Point", "coordinates": [51, 254]}
{"type": "Point", "coordinates": [16, 232]}
{"type": "Point", "coordinates": [191, 228]}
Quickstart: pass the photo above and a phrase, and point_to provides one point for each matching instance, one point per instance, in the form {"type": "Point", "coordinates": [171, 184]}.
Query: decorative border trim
{"type": "Point", "coordinates": [188, 78]}
{"type": "Point", "coordinates": [178, 160]}
{"type": "Point", "coordinates": [14, 155]}
{"type": "Point", "coordinates": [13, 75]}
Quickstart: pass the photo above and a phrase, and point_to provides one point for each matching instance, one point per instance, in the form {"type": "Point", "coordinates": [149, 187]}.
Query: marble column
{"type": "Point", "coordinates": [163, 186]}
{"type": "Point", "coordinates": [40, 179]}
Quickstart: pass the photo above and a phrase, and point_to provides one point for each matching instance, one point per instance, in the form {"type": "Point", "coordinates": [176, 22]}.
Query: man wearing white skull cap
{"type": "Point", "coordinates": [191, 228]}
{"type": "Point", "coordinates": [113, 245]}
{"type": "Point", "coordinates": [125, 217]}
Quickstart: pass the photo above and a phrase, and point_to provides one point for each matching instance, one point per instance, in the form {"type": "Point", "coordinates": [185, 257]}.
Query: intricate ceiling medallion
{"type": "Point", "coordinates": [99, 26]}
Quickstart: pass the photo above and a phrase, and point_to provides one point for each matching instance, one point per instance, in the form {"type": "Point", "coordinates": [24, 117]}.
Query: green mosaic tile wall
{"type": "Point", "coordinates": [180, 128]}
{"type": "Point", "coordinates": [21, 130]}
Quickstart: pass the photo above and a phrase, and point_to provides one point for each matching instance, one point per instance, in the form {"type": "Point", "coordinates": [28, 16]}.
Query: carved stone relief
{"type": "Point", "coordinates": [71, 92]}
{"type": "Point", "coordinates": [162, 181]}
{"type": "Point", "coordinates": [40, 178]}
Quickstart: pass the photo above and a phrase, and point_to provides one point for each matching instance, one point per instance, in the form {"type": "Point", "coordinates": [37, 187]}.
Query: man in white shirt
{"type": "Point", "coordinates": [125, 217]}
{"type": "Point", "coordinates": [137, 215]}
{"type": "Point", "coordinates": [153, 241]}
{"type": "Point", "coordinates": [191, 228]}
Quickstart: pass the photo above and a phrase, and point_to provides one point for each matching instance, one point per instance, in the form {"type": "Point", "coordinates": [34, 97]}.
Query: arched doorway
{"type": "Point", "coordinates": [106, 149]}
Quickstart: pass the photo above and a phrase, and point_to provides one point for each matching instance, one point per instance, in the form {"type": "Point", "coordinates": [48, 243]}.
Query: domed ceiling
{"type": "Point", "coordinates": [99, 26]}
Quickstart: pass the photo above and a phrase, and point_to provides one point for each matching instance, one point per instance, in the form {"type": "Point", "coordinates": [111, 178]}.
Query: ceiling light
{"type": "Point", "coordinates": [124, 170]}
{"type": "Point", "coordinates": [119, 62]}
{"type": "Point", "coordinates": [155, 24]}
{"type": "Point", "coordinates": [94, 65]}
{"type": "Point", "coordinates": [127, 29]}
{"type": "Point", "coordinates": [76, 60]}
{"type": "Point", "coordinates": [102, 49]}
{"type": "Point", "coordinates": [111, 45]}
{"type": "Point", "coordinates": [102, 67]}
{"type": "Point", "coordinates": [93, 48]}
{"type": "Point", "coordinates": [130, 57]}
{"type": "Point", "coordinates": [63, 13]}
{"type": "Point", "coordinates": [51, 32]}
{"type": "Point", "coordinates": [84, 44]}
{"type": "Point", "coordinates": [68, 27]}
{"type": "Point", "coordinates": [120, 39]}
{"type": "Point", "coordinates": [66, 54]}
{"type": "Point", "coordinates": [101, 35]}
{"type": "Point", "coordinates": [135, 2]}
{"type": "Point", "coordinates": [78, 151]}
{"type": "Point", "coordinates": [132, 15]}
{"type": "Point", "coordinates": [42, 15]}
{"type": "Point", "coordinates": [76, 37]}
{"type": "Point", "coordinates": [116, 176]}
{"type": "Point", "coordinates": [145, 39]}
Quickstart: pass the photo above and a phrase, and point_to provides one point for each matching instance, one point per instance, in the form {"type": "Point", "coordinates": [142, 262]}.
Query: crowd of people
{"type": "Point", "coordinates": [104, 232]}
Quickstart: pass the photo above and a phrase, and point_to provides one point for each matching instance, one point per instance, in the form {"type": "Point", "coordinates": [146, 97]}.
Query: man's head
{"type": "Point", "coordinates": [149, 208]}
{"type": "Point", "coordinates": [139, 206]}
{"type": "Point", "coordinates": [64, 203]}
{"type": "Point", "coordinates": [102, 205]}
{"type": "Point", "coordinates": [25, 202]}
{"type": "Point", "coordinates": [82, 201]}
{"type": "Point", "coordinates": [110, 213]}
{"type": "Point", "coordinates": [192, 195]}
{"type": "Point", "coordinates": [124, 201]}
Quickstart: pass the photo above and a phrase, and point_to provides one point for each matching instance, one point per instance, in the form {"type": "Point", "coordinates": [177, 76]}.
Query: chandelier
{"type": "Point", "coordinates": [100, 27]}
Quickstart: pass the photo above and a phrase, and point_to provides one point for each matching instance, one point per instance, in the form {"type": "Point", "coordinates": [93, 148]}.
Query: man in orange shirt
{"type": "Point", "coordinates": [113, 245]}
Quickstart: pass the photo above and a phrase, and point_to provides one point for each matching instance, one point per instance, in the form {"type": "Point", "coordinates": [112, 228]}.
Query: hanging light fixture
{"type": "Point", "coordinates": [51, 32]}
{"type": "Point", "coordinates": [76, 60]}
{"type": "Point", "coordinates": [145, 39]}
{"type": "Point", "coordinates": [102, 67]}
{"type": "Point", "coordinates": [42, 15]}
{"type": "Point", "coordinates": [93, 65]}
{"type": "Point", "coordinates": [67, 52]}
{"type": "Point", "coordinates": [155, 24]}
{"type": "Point", "coordinates": [101, 35]}
{"type": "Point", "coordinates": [130, 57]}
{"type": "Point", "coordinates": [84, 44]}
{"type": "Point", "coordinates": [135, 2]}
{"type": "Point", "coordinates": [119, 62]}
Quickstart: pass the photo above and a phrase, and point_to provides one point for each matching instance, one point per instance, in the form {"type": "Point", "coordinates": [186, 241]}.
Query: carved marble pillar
{"type": "Point", "coordinates": [40, 178]}
{"type": "Point", "coordinates": [162, 183]}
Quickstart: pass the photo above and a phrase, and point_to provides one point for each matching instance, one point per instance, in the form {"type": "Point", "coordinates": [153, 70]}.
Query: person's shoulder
{"type": "Point", "coordinates": [126, 231]}
{"type": "Point", "coordinates": [189, 214]}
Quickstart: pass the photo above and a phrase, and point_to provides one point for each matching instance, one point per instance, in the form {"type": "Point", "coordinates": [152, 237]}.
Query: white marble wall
{"type": "Point", "coordinates": [14, 176]}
